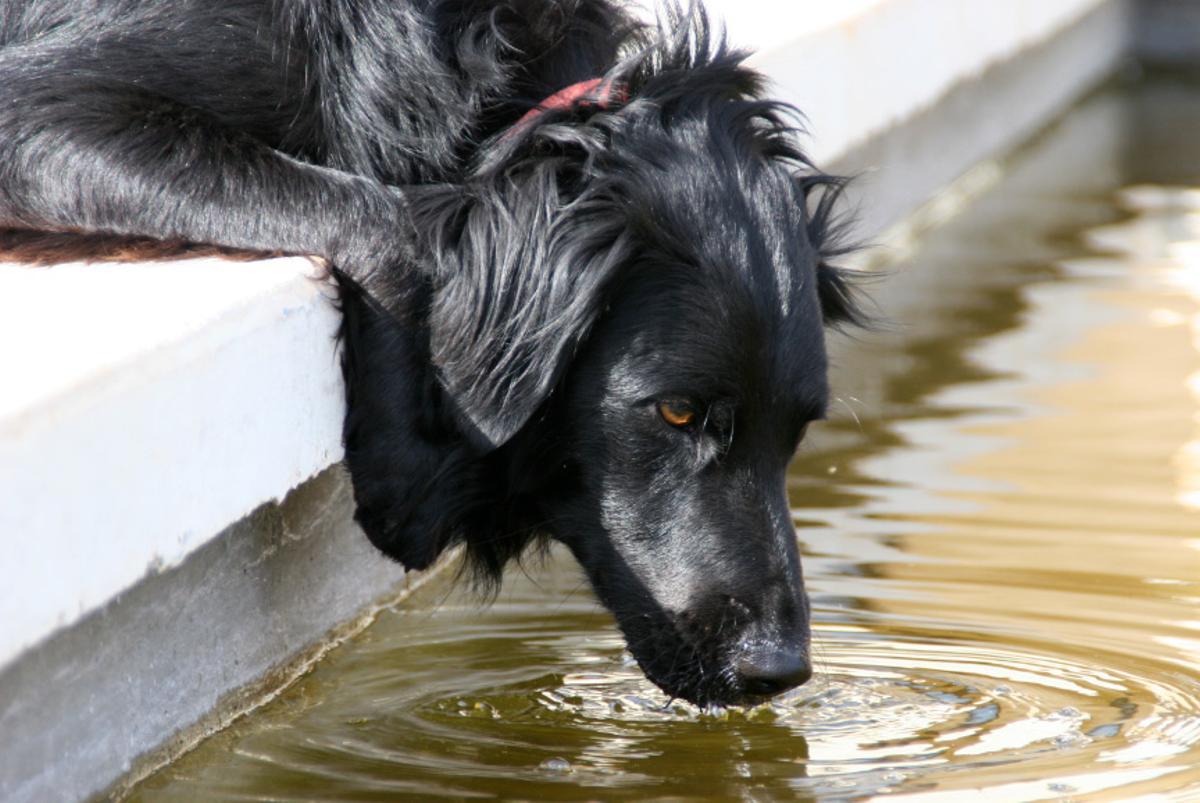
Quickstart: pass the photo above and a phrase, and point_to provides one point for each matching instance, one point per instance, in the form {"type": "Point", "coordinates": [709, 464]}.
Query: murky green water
{"type": "Point", "coordinates": [1002, 530]}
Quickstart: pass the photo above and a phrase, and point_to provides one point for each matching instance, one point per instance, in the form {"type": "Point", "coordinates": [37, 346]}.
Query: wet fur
{"type": "Point", "coordinates": [484, 270]}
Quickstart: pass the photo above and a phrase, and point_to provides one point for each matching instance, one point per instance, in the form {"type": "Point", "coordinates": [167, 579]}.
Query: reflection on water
{"type": "Point", "coordinates": [1002, 538]}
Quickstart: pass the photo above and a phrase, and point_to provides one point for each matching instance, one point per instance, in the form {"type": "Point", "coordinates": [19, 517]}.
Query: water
{"type": "Point", "coordinates": [1002, 531]}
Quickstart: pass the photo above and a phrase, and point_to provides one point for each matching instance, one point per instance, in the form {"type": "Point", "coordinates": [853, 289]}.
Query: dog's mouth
{"type": "Point", "coordinates": [686, 665]}
{"type": "Point", "coordinates": [688, 671]}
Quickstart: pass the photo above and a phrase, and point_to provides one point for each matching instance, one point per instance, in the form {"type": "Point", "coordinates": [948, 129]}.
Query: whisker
{"type": "Point", "coordinates": [853, 413]}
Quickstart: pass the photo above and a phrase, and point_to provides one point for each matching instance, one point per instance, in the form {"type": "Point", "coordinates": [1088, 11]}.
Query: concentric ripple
{"type": "Point", "coordinates": [1002, 539]}
{"type": "Point", "coordinates": [537, 704]}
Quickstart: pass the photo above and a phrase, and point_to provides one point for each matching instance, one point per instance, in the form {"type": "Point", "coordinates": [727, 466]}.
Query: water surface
{"type": "Point", "coordinates": [1001, 526]}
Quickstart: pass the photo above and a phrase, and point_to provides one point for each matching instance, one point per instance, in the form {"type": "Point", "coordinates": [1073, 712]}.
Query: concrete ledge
{"type": "Point", "coordinates": [981, 119]}
{"type": "Point", "coordinates": [146, 408]}
{"type": "Point", "coordinates": [191, 646]}
{"type": "Point", "coordinates": [859, 67]}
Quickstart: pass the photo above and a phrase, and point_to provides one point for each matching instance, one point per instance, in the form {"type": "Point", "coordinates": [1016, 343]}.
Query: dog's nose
{"type": "Point", "coordinates": [768, 671]}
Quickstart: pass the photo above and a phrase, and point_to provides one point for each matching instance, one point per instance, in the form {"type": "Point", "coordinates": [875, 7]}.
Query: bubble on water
{"type": "Point", "coordinates": [478, 710]}
{"type": "Point", "coordinates": [560, 765]}
{"type": "Point", "coordinates": [983, 714]}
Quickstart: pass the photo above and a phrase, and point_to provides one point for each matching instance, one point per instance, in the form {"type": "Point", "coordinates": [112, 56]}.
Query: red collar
{"type": "Point", "coordinates": [599, 92]}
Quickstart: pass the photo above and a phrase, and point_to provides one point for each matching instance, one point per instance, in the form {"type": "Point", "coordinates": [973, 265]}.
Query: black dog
{"type": "Point", "coordinates": [583, 271]}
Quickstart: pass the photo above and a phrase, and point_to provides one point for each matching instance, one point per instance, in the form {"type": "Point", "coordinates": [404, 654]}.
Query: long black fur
{"type": "Point", "coordinates": [484, 267]}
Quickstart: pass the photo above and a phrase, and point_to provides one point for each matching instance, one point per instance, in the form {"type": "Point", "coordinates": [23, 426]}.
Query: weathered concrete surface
{"type": "Point", "coordinates": [860, 67]}
{"type": "Point", "coordinates": [981, 119]}
{"type": "Point", "coordinates": [143, 409]}
{"type": "Point", "coordinates": [77, 711]}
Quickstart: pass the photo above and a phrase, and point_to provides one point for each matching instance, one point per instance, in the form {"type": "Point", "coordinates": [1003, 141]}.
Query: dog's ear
{"type": "Point", "coordinates": [407, 473]}
{"type": "Point", "coordinates": [522, 264]}
{"type": "Point", "coordinates": [826, 231]}
{"type": "Point", "coordinates": [419, 488]}
{"type": "Point", "coordinates": [839, 303]}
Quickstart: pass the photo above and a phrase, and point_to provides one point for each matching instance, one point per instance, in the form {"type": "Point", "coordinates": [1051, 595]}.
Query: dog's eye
{"type": "Point", "coordinates": [677, 413]}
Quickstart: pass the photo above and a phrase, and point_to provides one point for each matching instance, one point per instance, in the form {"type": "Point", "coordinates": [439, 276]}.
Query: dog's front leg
{"type": "Point", "coordinates": [82, 152]}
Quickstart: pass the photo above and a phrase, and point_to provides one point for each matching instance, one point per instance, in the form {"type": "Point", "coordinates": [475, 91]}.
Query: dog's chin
{"type": "Point", "coordinates": [700, 673]}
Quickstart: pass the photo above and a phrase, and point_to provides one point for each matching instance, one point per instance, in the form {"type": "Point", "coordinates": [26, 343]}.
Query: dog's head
{"type": "Point", "coordinates": [628, 326]}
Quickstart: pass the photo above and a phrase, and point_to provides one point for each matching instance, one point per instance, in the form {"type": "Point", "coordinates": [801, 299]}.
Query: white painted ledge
{"type": "Point", "coordinates": [144, 408]}
{"type": "Point", "coordinates": [858, 67]}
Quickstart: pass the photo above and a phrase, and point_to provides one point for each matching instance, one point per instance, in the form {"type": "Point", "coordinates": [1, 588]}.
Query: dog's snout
{"type": "Point", "coordinates": [768, 671]}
